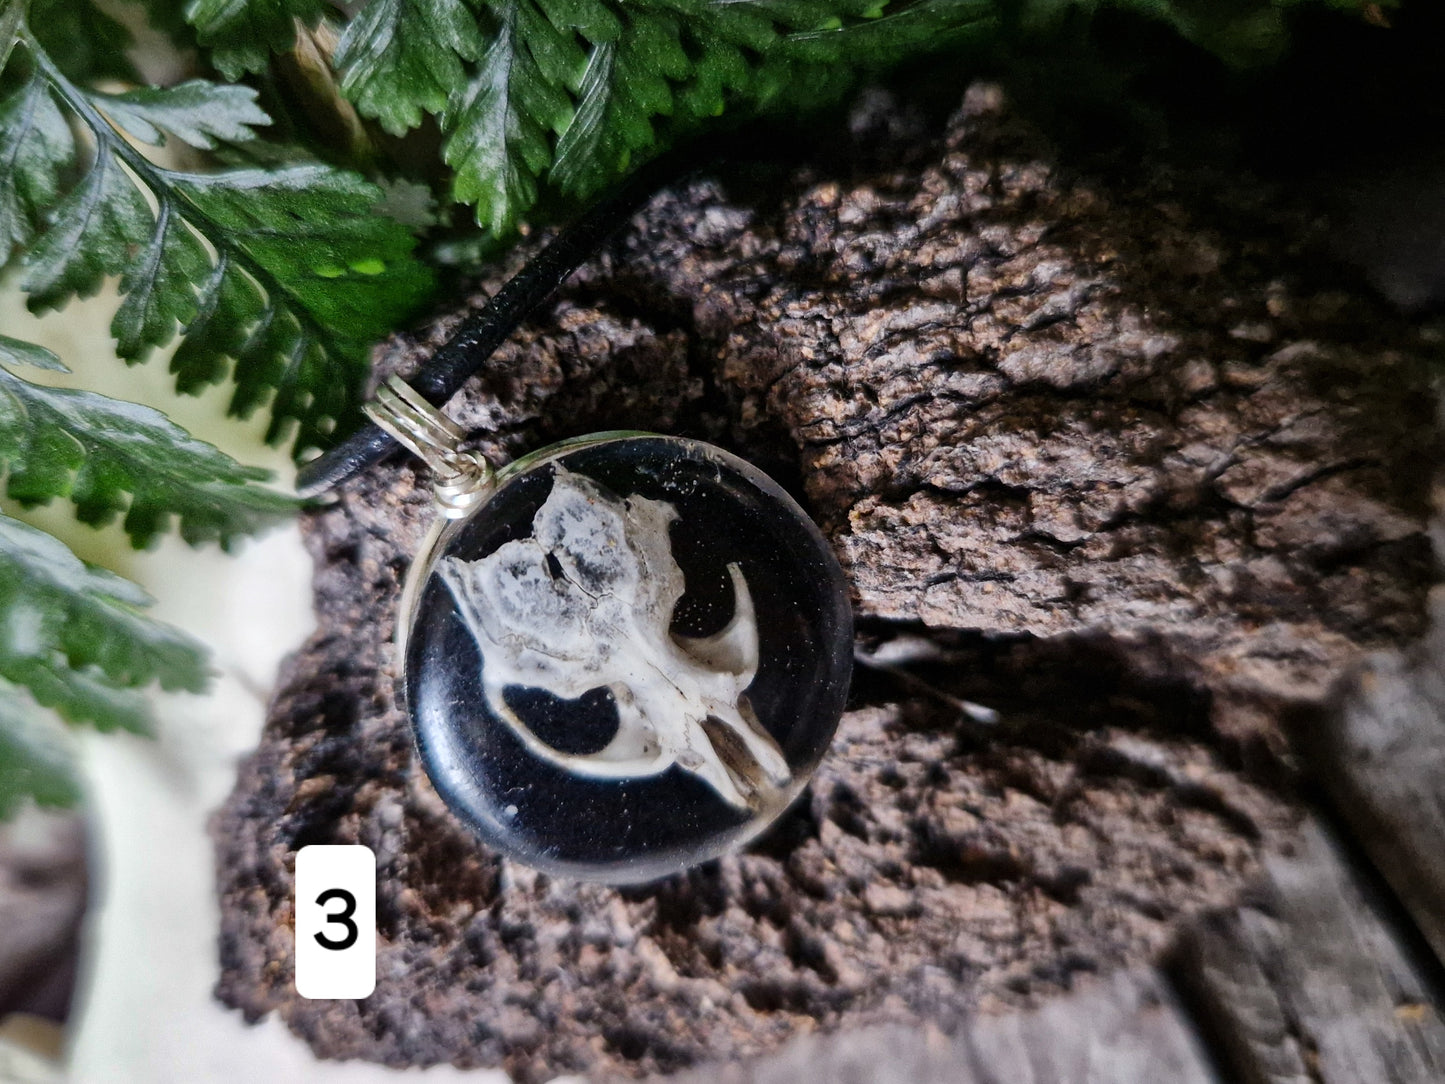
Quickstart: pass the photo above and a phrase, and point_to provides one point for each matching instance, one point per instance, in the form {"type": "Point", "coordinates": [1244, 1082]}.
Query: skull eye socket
{"type": "Point", "coordinates": [577, 726]}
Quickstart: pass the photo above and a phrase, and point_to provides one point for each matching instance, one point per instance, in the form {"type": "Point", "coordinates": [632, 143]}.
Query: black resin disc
{"type": "Point", "coordinates": [628, 659]}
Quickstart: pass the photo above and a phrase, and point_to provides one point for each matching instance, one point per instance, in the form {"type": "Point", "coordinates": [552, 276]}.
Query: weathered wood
{"type": "Point", "coordinates": [43, 886]}
{"type": "Point", "coordinates": [1310, 984]}
{"type": "Point", "coordinates": [1122, 1029]}
{"type": "Point", "coordinates": [1382, 757]}
{"type": "Point", "coordinates": [1125, 1029]}
{"type": "Point", "coordinates": [876, 1055]}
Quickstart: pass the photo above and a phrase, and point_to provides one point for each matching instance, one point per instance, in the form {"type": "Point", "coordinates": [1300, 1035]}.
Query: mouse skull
{"type": "Point", "coordinates": [587, 602]}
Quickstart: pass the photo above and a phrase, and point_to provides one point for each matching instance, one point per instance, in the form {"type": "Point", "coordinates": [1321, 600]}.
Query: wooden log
{"type": "Point", "coordinates": [1310, 984]}
{"type": "Point", "coordinates": [43, 888]}
{"type": "Point", "coordinates": [877, 1055]}
{"type": "Point", "coordinates": [1381, 755]}
{"type": "Point", "coordinates": [1125, 1028]}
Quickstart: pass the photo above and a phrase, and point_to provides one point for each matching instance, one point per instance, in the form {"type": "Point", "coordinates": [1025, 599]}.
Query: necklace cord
{"type": "Point", "coordinates": [481, 334]}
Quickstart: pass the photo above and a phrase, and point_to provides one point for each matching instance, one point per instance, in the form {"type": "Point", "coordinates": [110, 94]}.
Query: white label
{"type": "Point", "coordinates": [335, 922]}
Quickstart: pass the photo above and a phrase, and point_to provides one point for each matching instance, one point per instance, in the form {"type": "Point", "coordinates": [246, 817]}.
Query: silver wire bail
{"type": "Point", "coordinates": [460, 479]}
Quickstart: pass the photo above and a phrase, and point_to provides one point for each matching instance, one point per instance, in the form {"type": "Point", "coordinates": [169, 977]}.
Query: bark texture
{"type": "Point", "coordinates": [1111, 455]}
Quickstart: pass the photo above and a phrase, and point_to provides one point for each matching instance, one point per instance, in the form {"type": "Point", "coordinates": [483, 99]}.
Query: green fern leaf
{"type": "Point", "coordinates": [77, 636]}
{"type": "Point", "coordinates": [35, 763]}
{"type": "Point", "coordinates": [92, 234]}
{"type": "Point", "coordinates": [84, 41]}
{"type": "Point", "coordinates": [400, 59]}
{"type": "Point", "coordinates": [614, 116]}
{"type": "Point", "coordinates": [242, 34]}
{"type": "Point", "coordinates": [280, 277]}
{"type": "Point", "coordinates": [18, 352]}
{"type": "Point", "coordinates": [202, 114]}
{"type": "Point", "coordinates": [12, 15]}
{"type": "Point", "coordinates": [158, 286]}
{"type": "Point", "coordinates": [617, 83]}
{"type": "Point", "coordinates": [79, 696]}
{"type": "Point", "coordinates": [111, 458]}
{"type": "Point", "coordinates": [500, 125]}
{"type": "Point", "coordinates": [35, 145]}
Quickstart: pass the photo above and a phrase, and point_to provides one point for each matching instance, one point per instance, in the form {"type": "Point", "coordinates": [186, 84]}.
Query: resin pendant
{"type": "Point", "coordinates": [622, 655]}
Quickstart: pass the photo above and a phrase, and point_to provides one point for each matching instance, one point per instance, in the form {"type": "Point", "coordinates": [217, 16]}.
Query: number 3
{"type": "Point", "coordinates": [348, 909]}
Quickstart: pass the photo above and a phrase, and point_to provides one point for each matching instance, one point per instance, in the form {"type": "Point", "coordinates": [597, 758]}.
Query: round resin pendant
{"type": "Point", "coordinates": [626, 657]}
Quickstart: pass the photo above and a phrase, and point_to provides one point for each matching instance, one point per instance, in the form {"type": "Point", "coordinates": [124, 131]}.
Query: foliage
{"type": "Point", "coordinates": [77, 636]}
{"type": "Point", "coordinates": [281, 278]}
{"type": "Point", "coordinates": [77, 639]}
{"type": "Point", "coordinates": [100, 452]}
{"type": "Point", "coordinates": [34, 760]}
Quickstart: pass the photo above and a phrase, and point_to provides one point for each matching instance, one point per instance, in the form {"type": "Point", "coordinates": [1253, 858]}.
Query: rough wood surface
{"type": "Point", "coordinates": [1125, 1028]}
{"type": "Point", "coordinates": [43, 888]}
{"type": "Point", "coordinates": [1381, 755]}
{"type": "Point", "coordinates": [1311, 983]}
{"type": "Point", "coordinates": [1138, 473]}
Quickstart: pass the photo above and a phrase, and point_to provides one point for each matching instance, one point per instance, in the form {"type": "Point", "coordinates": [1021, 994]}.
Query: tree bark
{"type": "Point", "coordinates": [1116, 456]}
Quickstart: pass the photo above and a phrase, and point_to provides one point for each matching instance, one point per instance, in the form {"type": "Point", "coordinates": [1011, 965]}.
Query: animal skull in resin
{"type": "Point", "coordinates": [587, 602]}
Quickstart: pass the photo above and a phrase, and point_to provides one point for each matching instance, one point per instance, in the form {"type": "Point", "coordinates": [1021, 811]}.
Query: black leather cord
{"type": "Point", "coordinates": [480, 335]}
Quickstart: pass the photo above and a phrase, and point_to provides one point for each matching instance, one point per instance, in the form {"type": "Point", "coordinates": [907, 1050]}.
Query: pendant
{"type": "Point", "coordinates": [622, 655]}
